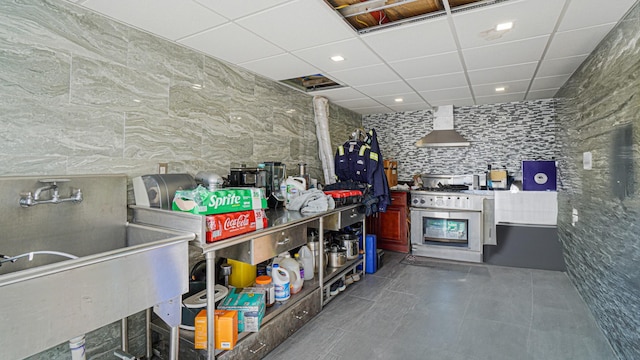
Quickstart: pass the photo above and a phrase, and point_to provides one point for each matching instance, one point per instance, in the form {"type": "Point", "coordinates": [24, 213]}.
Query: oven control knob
{"type": "Point", "coordinates": [439, 202]}
{"type": "Point", "coordinates": [415, 201]}
{"type": "Point", "coordinates": [422, 201]}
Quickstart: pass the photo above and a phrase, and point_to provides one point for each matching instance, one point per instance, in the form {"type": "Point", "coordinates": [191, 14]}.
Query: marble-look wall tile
{"type": "Point", "coordinates": [602, 249]}
{"type": "Point", "coordinates": [83, 94]}
{"type": "Point", "coordinates": [101, 83]}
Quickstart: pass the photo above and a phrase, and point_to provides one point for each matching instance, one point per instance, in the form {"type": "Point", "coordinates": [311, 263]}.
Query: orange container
{"type": "Point", "coordinates": [226, 325]}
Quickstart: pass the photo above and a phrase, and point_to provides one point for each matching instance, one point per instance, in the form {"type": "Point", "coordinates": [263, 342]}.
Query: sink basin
{"type": "Point", "coordinates": [120, 269]}
{"type": "Point", "coordinates": [50, 304]}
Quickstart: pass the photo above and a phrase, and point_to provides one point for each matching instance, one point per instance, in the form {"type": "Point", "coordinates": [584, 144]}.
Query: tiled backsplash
{"type": "Point", "coordinates": [500, 134]}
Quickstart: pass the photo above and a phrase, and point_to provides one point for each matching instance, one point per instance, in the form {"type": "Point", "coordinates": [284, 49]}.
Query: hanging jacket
{"type": "Point", "coordinates": [378, 177]}
{"type": "Point", "coordinates": [354, 161]}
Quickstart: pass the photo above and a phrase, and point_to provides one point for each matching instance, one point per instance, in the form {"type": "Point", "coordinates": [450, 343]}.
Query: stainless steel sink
{"type": "Point", "coordinates": [121, 268]}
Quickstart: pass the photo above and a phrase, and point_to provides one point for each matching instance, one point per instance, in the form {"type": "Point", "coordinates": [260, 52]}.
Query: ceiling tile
{"type": "Point", "coordinates": [280, 67]}
{"type": "Point", "coordinates": [299, 24]}
{"type": "Point", "coordinates": [355, 54]}
{"type": "Point", "coordinates": [393, 87]}
{"type": "Point", "coordinates": [495, 99]}
{"type": "Point", "coordinates": [343, 93]}
{"type": "Point", "coordinates": [454, 93]}
{"type": "Point", "coordinates": [504, 73]}
{"type": "Point", "coordinates": [167, 18]}
{"type": "Point", "coordinates": [239, 8]}
{"type": "Point", "coordinates": [585, 13]}
{"type": "Point", "coordinates": [222, 42]}
{"type": "Point", "coordinates": [514, 52]}
{"type": "Point", "coordinates": [365, 75]}
{"type": "Point", "coordinates": [510, 87]}
{"type": "Point", "coordinates": [358, 103]}
{"type": "Point", "coordinates": [407, 98]}
{"type": "Point", "coordinates": [373, 110]}
{"type": "Point", "coordinates": [561, 66]}
{"type": "Point", "coordinates": [410, 107]}
{"type": "Point", "coordinates": [549, 82]}
{"type": "Point", "coordinates": [438, 82]}
{"type": "Point", "coordinates": [530, 18]}
{"type": "Point", "coordinates": [422, 38]}
{"type": "Point", "coordinates": [577, 42]}
{"type": "Point", "coordinates": [541, 94]}
{"type": "Point", "coordinates": [455, 102]}
{"type": "Point", "coordinates": [428, 65]}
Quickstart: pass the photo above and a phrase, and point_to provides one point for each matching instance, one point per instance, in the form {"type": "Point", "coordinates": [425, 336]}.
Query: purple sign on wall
{"type": "Point", "coordinates": [539, 175]}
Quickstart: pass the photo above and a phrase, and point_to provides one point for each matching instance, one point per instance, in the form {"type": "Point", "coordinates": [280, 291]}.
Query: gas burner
{"type": "Point", "coordinates": [445, 188]}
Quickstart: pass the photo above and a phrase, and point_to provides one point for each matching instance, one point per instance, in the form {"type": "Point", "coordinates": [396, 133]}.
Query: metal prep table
{"type": "Point", "coordinates": [286, 230]}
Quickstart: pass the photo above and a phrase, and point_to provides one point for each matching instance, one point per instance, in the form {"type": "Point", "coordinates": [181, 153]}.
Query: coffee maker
{"type": "Point", "coordinates": [275, 173]}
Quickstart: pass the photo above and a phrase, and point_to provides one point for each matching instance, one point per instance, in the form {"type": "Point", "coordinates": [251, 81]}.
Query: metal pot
{"type": "Point", "coordinates": [337, 257]}
{"type": "Point", "coordinates": [314, 246]}
{"type": "Point", "coordinates": [350, 243]}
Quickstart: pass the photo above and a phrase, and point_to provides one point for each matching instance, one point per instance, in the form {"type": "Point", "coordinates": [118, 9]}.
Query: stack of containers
{"type": "Point", "coordinates": [229, 212]}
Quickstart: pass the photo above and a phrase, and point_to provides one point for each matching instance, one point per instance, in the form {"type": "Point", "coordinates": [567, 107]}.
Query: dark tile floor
{"type": "Point", "coordinates": [448, 311]}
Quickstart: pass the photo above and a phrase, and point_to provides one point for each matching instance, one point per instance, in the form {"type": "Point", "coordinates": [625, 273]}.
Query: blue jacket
{"type": "Point", "coordinates": [358, 161]}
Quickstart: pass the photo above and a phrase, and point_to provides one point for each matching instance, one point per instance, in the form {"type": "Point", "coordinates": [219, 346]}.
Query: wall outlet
{"type": "Point", "coordinates": [163, 168]}
{"type": "Point", "coordinates": [574, 217]}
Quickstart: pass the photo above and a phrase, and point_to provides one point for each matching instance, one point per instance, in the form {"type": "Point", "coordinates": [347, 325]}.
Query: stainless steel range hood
{"type": "Point", "coordinates": [443, 133]}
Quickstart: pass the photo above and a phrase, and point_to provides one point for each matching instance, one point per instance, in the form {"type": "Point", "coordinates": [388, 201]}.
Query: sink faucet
{"type": "Point", "coordinates": [28, 199]}
{"type": "Point", "coordinates": [54, 187]}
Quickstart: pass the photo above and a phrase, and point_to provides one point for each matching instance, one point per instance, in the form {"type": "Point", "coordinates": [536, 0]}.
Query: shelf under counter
{"type": "Point", "coordinates": [187, 343]}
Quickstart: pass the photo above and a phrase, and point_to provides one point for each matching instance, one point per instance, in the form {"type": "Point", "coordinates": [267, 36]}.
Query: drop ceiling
{"type": "Point", "coordinates": [449, 58]}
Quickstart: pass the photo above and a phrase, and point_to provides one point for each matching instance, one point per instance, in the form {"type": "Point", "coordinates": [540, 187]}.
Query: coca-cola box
{"type": "Point", "coordinates": [223, 226]}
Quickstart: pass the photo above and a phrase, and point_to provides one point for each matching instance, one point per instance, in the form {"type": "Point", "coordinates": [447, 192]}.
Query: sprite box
{"type": "Point", "coordinates": [201, 201]}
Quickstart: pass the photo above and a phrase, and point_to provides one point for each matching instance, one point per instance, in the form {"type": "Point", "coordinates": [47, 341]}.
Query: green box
{"type": "Point", "coordinates": [201, 201]}
{"type": "Point", "coordinates": [250, 307]}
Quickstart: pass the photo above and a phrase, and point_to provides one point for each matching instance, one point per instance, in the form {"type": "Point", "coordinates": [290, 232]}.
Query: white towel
{"type": "Point", "coordinates": [312, 201]}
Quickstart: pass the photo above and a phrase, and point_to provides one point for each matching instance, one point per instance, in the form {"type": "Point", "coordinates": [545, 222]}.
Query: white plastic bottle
{"type": "Point", "coordinates": [281, 283]}
{"type": "Point", "coordinates": [306, 256]}
{"type": "Point", "coordinates": [297, 257]}
{"type": "Point", "coordinates": [293, 268]}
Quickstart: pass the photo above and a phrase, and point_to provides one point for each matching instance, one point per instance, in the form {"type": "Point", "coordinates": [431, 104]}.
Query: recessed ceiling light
{"type": "Point", "coordinates": [500, 89]}
{"type": "Point", "coordinates": [504, 26]}
{"type": "Point", "coordinates": [399, 100]}
{"type": "Point", "coordinates": [337, 58]}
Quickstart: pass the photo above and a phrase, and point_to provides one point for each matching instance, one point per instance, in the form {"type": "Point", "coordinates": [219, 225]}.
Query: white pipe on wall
{"type": "Point", "coordinates": [321, 110]}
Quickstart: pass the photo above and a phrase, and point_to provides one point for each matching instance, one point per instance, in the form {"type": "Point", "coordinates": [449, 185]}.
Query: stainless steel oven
{"type": "Point", "coordinates": [447, 225]}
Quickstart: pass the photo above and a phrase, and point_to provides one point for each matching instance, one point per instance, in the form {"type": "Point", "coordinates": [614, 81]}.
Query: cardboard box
{"type": "Point", "coordinates": [200, 336]}
{"type": "Point", "coordinates": [250, 307]}
{"type": "Point", "coordinates": [223, 226]}
{"type": "Point", "coordinates": [226, 325]}
{"type": "Point", "coordinates": [226, 329]}
{"type": "Point", "coordinates": [391, 171]}
{"type": "Point", "coordinates": [201, 201]}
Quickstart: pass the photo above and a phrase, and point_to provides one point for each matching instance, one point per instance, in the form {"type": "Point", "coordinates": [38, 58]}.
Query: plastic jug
{"type": "Point", "coordinates": [294, 186]}
{"type": "Point", "coordinates": [306, 256]}
{"type": "Point", "coordinates": [292, 266]}
{"type": "Point", "coordinates": [300, 265]}
{"type": "Point", "coordinates": [281, 283]}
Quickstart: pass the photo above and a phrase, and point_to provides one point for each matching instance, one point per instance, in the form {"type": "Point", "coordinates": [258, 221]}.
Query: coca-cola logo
{"type": "Point", "coordinates": [239, 222]}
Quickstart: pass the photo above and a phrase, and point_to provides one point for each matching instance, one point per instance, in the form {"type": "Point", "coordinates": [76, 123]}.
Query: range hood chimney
{"type": "Point", "coordinates": [443, 133]}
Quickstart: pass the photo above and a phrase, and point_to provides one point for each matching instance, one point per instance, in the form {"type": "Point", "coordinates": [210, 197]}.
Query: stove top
{"type": "Point", "coordinates": [444, 188]}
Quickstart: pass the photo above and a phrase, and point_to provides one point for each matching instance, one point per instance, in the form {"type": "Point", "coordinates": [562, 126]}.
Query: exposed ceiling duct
{"type": "Point", "coordinates": [443, 134]}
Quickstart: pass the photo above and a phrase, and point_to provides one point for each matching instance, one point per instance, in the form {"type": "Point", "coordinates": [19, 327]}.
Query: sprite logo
{"type": "Point", "coordinates": [227, 200]}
